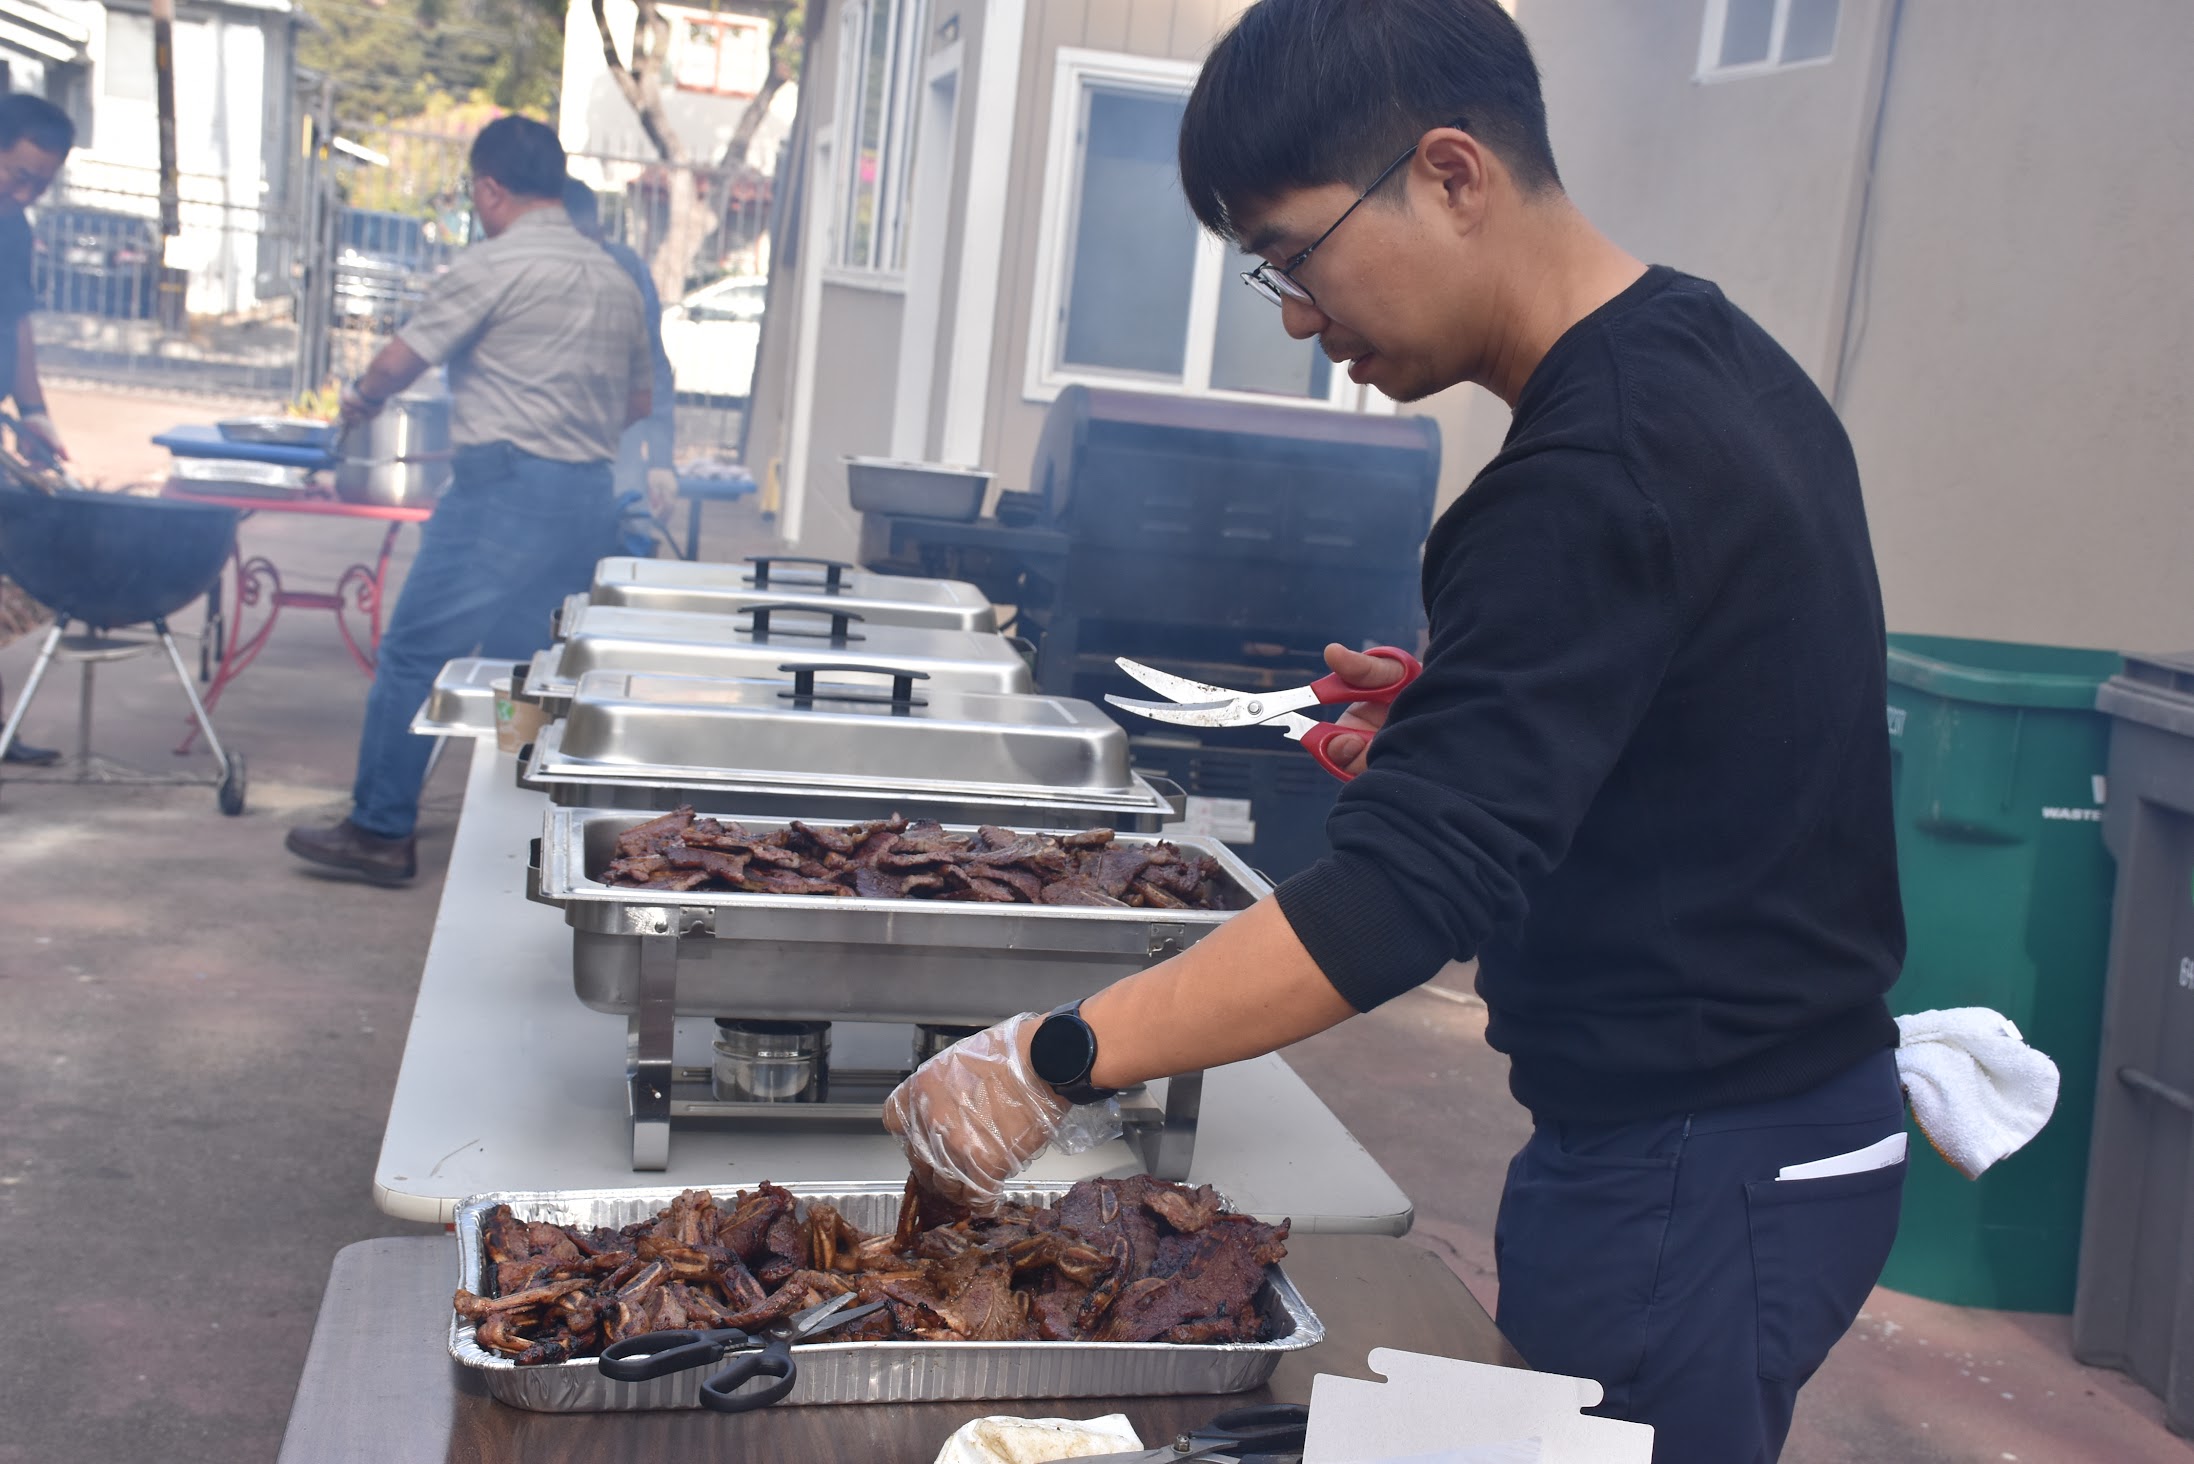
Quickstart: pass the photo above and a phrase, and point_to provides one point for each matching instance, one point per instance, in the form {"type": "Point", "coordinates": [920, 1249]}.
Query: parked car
{"type": "Point", "coordinates": [95, 261]}
{"type": "Point", "coordinates": [383, 264]}
{"type": "Point", "coordinates": [712, 334]}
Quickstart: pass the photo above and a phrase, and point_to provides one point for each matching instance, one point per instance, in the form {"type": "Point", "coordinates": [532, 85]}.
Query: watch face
{"type": "Point", "coordinates": [1062, 1049]}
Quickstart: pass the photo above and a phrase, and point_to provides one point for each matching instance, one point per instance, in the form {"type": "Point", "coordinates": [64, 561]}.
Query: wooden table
{"type": "Point", "coordinates": [379, 1386]}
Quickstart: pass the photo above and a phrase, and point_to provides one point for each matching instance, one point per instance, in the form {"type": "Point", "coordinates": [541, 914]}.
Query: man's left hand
{"type": "Point", "coordinates": [39, 428]}
{"type": "Point", "coordinates": [355, 406]}
{"type": "Point", "coordinates": [662, 492]}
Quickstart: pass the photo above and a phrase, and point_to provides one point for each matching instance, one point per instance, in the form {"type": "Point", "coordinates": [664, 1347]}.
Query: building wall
{"type": "Point", "coordinates": [1175, 29]}
{"type": "Point", "coordinates": [2016, 384]}
{"type": "Point", "coordinates": [2021, 389]}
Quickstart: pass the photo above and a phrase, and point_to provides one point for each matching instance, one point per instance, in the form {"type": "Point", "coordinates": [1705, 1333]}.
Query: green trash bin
{"type": "Point", "coordinates": [1997, 759]}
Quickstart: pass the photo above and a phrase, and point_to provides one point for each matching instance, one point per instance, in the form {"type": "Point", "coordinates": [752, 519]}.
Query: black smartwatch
{"type": "Point", "coordinates": [1062, 1053]}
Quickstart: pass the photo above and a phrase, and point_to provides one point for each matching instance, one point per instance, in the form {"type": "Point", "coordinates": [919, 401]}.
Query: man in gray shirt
{"type": "Point", "coordinates": [547, 352]}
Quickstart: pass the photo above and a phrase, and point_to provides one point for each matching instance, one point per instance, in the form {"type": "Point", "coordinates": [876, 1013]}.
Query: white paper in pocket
{"type": "Point", "coordinates": [1874, 1156]}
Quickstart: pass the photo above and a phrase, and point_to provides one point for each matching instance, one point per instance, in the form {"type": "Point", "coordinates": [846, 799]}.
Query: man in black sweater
{"type": "Point", "coordinates": [1643, 779]}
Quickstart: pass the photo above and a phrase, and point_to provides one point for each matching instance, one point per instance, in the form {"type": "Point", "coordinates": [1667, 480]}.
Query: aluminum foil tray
{"type": "Point", "coordinates": [874, 1372]}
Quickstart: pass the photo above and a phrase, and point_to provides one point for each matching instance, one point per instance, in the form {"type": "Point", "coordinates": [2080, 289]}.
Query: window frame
{"type": "Point", "coordinates": [885, 266]}
{"type": "Point", "coordinates": [1717, 21]}
{"type": "Point", "coordinates": [1044, 376]}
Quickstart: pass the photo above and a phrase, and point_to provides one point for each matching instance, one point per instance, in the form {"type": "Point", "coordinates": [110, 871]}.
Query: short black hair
{"type": "Point", "coordinates": [521, 154]}
{"type": "Point", "coordinates": [47, 126]}
{"type": "Point", "coordinates": [579, 201]}
{"type": "Point", "coordinates": [1302, 93]}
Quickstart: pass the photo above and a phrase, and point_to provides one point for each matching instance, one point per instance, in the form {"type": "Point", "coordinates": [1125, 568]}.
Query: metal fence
{"type": "Point", "coordinates": [280, 300]}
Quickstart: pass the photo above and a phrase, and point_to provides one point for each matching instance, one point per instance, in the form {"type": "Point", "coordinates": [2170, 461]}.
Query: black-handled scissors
{"type": "Point", "coordinates": [763, 1353]}
{"type": "Point", "coordinates": [1239, 1433]}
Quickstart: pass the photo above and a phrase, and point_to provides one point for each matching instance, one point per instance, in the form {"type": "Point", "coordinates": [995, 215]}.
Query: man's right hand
{"type": "Point", "coordinates": [1370, 673]}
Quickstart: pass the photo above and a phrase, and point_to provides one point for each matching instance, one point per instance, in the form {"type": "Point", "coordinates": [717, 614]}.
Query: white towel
{"type": "Point", "coordinates": [1977, 1090]}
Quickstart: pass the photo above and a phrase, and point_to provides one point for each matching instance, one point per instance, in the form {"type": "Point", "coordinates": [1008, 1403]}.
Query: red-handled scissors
{"type": "Point", "coordinates": [1194, 704]}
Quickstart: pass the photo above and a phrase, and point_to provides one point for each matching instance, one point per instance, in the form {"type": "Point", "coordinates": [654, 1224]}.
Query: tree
{"type": "Point", "coordinates": [638, 69]}
{"type": "Point", "coordinates": [392, 60]}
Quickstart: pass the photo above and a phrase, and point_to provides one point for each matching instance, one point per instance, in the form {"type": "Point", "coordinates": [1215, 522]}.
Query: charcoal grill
{"type": "Point", "coordinates": [110, 562]}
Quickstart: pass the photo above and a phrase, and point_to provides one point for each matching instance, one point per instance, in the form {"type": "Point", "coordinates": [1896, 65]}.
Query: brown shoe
{"type": "Point", "coordinates": [350, 849]}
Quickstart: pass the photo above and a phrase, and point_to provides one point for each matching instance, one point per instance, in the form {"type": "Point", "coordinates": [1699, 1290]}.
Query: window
{"type": "Point", "coordinates": [1130, 292]}
{"type": "Point", "coordinates": [1749, 37]}
{"type": "Point", "coordinates": [880, 46]}
{"type": "Point", "coordinates": [727, 55]}
{"type": "Point", "coordinates": [126, 68]}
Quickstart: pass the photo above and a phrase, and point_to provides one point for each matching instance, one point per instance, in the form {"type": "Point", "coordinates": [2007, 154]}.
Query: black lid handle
{"type": "Point", "coordinates": [902, 699]}
{"type": "Point", "coordinates": [841, 621]}
{"type": "Point", "coordinates": [834, 570]}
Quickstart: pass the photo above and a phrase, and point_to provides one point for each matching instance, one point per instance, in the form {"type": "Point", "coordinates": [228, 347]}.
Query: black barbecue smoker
{"type": "Point", "coordinates": [1225, 541]}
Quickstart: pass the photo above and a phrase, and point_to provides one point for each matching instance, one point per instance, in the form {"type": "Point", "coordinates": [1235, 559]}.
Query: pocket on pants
{"type": "Point", "coordinates": [1579, 1249]}
{"type": "Point", "coordinates": [1818, 1247]}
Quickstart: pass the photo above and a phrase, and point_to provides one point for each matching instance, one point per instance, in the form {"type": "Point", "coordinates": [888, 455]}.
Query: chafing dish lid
{"type": "Point", "coordinates": [848, 731]}
{"type": "Point", "coordinates": [627, 581]}
{"type": "Point", "coordinates": [463, 699]}
{"type": "Point", "coordinates": [759, 640]}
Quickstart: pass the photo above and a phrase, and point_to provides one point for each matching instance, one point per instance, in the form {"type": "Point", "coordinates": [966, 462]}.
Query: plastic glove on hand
{"type": "Point", "coordinates": [975, 1115]}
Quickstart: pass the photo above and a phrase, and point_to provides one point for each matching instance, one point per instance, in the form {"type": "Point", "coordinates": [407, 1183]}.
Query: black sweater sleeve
{"type": "Point", "coordinates": [1552, 593]}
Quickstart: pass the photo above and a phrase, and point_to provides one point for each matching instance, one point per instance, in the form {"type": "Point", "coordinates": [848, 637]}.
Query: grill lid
{"type": "Point", "coordinates": [722, 589]}
{"type": "Point", "coordinates": [758, 640]}
{"type": "Point", "coordinates": [827, 729]}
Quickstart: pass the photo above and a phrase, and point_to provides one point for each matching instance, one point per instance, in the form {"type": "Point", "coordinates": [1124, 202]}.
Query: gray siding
{"type": "Point", "coordinates": [1176, 29]}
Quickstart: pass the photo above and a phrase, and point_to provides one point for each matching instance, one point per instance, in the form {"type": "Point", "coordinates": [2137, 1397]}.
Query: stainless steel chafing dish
{"type": "Point", "coordinates": [462, 703]}
{"type": "Point", "coordinates": [776, 579]}
{"type": "Point", "coordinates": [654, 955]}
{"type": "Point", "coordinates": [871, 1372]}
{"type": "Point", "coordinates": [829, 744]}
{"type": "Point", "coordinates": [759, 639]}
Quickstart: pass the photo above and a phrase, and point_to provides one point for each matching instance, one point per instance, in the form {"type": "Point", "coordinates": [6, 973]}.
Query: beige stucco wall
{"type": "Point", "coordinates": [2022, 393]}
{"type": "Point", "coordinates": [2019, 391]}
{"type": "Point", "coordinates": [1750, 183]}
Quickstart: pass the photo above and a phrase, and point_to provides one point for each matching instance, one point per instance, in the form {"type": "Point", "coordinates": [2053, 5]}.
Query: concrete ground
{"type": "Point", "coordinates": [202, 1039]}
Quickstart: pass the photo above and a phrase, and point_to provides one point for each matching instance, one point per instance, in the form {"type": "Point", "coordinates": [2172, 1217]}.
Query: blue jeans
{"type": "Point", "coordinates": [1664, 1259]}
{"type": "Point", "coordinates": [511, 538]}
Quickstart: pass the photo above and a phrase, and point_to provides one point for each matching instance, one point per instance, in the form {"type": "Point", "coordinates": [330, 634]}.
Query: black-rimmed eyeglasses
{"type": "Point", "coordinates": [1277, 282]}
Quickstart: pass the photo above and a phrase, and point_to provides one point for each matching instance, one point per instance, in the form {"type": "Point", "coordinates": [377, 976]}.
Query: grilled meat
{"type": "Point", "coordinates": [1116, 1260]}
{"type": "Point", "coordinates": [898, 859]}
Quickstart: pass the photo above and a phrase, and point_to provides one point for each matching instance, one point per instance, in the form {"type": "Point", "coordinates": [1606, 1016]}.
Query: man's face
{"type": "Point", "coordinates": [1394, 286]}
{"type": "Point", "coordinates": [26, 171]}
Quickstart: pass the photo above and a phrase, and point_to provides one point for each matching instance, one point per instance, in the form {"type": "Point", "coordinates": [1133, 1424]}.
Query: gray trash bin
{"type": "Point", "coordinates": [2135, 1305]}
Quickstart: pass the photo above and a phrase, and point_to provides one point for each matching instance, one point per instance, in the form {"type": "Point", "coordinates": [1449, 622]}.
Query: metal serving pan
{"type": "Point", "coordinates": [874, 1372]}
{"type": "Point", "coordinates": [819, 957]}
{"type": "Point", "coordinates": [760, 640]}
{"type": "Point", "coordinates": [829, 745]}
{"type": "Point", "coordinates": [462, 703]}
{"type": "Point", "coordinates": [694, 587]}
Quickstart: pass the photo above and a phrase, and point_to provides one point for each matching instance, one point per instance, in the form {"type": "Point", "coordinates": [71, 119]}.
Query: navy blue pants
{"type": "Point", "coordinates": [1664, 1260]}
{"type": "Point", "coordinates": [512, 536]}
